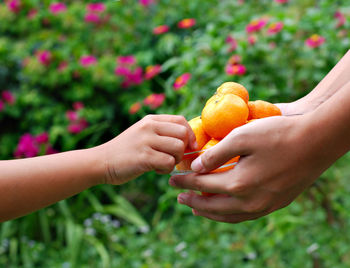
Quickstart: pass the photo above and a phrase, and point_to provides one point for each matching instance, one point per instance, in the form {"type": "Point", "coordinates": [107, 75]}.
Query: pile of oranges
{"type": "Point", "coordinates": [227, 109]}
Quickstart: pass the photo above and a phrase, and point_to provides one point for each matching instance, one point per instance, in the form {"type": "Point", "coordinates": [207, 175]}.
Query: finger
{"type": "Point", "coordinates": [234, 144]}
{"type": "Point", "coordinates": [178, 119]}
{"type": "Point", "coordinates": [234, 218]}
{"type": "Point", "coordinates": [161, 162]}
{"type": "Point", "coordinates": [217, 204]}
{"type": "Point", "coordinates": [169, 145]}
{"type": "Point", "coordinates": [173, 130]}
{"type": "Point", "coordinates": [224, 183]}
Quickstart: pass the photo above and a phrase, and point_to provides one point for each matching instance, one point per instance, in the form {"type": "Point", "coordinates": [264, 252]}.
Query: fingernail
{"type": "Point", "coordinates": [172, 182]}
{"type": "Point", "coordinates": [182, 198]}
{"type": "Point", "coordinates": [197, 165]}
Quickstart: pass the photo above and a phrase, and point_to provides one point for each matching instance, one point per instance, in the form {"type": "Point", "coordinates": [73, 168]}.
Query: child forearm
{"type": "Point", "coordinates": [30, 184]}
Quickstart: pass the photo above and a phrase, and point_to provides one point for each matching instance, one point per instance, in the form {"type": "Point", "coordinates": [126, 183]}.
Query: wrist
{"type": "Point", "coordinates": [96, 157]}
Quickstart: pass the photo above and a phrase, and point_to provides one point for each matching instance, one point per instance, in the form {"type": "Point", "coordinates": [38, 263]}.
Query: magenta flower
{"type": "Point", "coordinates": [122, 71]}
{"type": "Point", "coordinates": [275, 28]}
{"type": "Point", "coordinates": [281, 1]}
{"type": "Point", "coordinates": [8, 97]}
{"type": "Point", "coordinates": [134, 108]}
{"type": "Point", "coordinates": [236, 69]}
{"type": "Point", "coordinates": [50, 150]}
{"type": "Point", "coordinates": [315, 40]}
{"type": "Point", "coordinates": [96, 7]}
{"type": "Point", "coordinates": [341, 19]}
{"type": "Point", "coordinates": [44, 57]}
{"type": "Point", "coordinates": [58, 7]}
{"type": "Point", "coordinates": [77, 126]}
{"type": "Point", "coordinates": [92, 18]}
{"type": "Point", "coordinates": [186, 23]}
{"type": "Point", "coordinates": [42, 138]}
{"type": "Point", "coordinates": [160, 29]}
{"type": "Point", "coordinates": [27, 147]}
{"type": "Point", "coordinates": [146, 3]}
{"type": "Point", "coordinates": [152, 71]}
{"type": "Point", "coordinates": [62, 66]}
{"type": "Point", "coordinates": [232, 43]}
{"type": "Point", "coordinates": [32, 13]}
{"type": "Point", "coordinates": [78, 105]}
{"type": "Point", "coordinates": [154, 100]}
{"type": "Point", "coordinates": [72, 115]}
{"type": "Point", "coordinates": [14, 5]}
{"type": "Point", "coordinates": [234, 59]}
{"type": "Point", "coordinates": [1, 105]}
{"type": "Point", "coordinates": [87, 60]}
{"type": "Point", "coordinates": [181, 81]}
{"type": "Point", "coordinates": [256, 25]}
{"type": "Point", "coordinates": [126, 60]}
{"type": "Point", "coordinates": [135, 77]}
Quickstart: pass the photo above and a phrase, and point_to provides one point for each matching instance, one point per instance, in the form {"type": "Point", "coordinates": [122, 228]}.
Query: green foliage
{"type": "Point", "coordinates": [140, 224]}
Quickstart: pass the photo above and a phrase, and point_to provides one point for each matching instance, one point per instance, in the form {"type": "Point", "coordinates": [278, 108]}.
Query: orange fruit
{"type": "Point", "coordinates": [222, 114]}
{"type": "Point", "coordinates": [234, 88]}
{"type": "Point", "coordinates": [201, 137]}
{"type": "Point", "coordinates": [260, 109]}
{"type": "Point", "coordinates": [210, 144]}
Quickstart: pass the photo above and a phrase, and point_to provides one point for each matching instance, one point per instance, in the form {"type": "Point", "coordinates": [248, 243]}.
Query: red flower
{"type": "Point", "coordinates": [256, 25]}
{"type": "Point", "coordinates": [186, 23]}
{"type": "Point", "coordinates": [88, 60]}
{"type": "Point", "coordinates": [275, 28]}
{"type": "Point", "coordinates": [44, 57]}
{"type": "Point", "coordinates": [134, 108]}
{"type": "Point", "coordinates": [152, 71]}
{"type": "Point", "coordinates": [8, 97]}
{"type": "Point", "coordinates": [161, 29]}
{"type": "Point", "coordinates": [181, 81]}
{"type": "Point", "coordinates": [58, 7]}
{"type": "Point", "coordinates": [154, 100]}
{"type": "Point", "coordinates": [341, 19]}
{"type": "Point", "coordinates": [315, 40]}
{"type": "Point", "coordinates": [235, 69]}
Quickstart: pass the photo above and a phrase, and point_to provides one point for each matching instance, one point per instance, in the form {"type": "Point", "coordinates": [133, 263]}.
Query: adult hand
{"type": "Point", "coordinates": [280, 157]}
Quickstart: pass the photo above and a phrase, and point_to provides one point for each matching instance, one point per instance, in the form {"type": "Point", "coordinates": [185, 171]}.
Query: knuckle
{"type": "Point", "coordinates": [208, 157]}
{"type": "Point", "coordinates": [182, 131]}
{"type": "Point", "coordinates": [179, 146]}
{"type": "Point", "coordinates": [198, 184]}
{"type": "Point", "coordinates": [181, 119]}
{"type": "Point", "coordinates": [169, 162]}
{"type": "Point", "coordinates": [236, 188]}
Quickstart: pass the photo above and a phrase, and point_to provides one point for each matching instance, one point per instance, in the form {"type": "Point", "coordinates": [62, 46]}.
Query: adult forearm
{"type": "Point", "coordinates": [30, 184]}
{"type": "Point", "coordinates": [332, 82]}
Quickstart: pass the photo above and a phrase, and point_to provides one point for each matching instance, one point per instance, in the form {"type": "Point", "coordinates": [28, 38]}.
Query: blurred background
{"type": "Point", "coordinates": [74, 74]}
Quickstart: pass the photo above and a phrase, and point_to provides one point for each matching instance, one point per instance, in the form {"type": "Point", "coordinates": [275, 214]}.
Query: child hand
{"type": "Point", "coordinates": [157, 142]}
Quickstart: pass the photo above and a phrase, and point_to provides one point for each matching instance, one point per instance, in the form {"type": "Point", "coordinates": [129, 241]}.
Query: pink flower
{"type": "Point", "coordinates": [14, 5]}
{"type": "Point", "coordinates": [62, 66]}
{"type": "Point", "coordinates": [8, 97]}
{"type": "Point", "coordinates": [27, 147]}
{"type": "Point", "coordinates": [126, 60]}
{"type": "Point", "coordinates": [135, 77]}
{"type": "Point", "coordinates": [236, 69]}
{"type": "Point", "coordinates": [134, 108]}
{"type": "Point", "coordinates": [281, 1]}
{"type": "Point", "coordinates": [275, 28]}
{"type": "Point", "coordinates": [96, 7]}
{"type": "Point", "coordinates": [72, 115]}
{"type": "Point", "coordinates": [252, 39]}
{"type": "Point", "coordinates": [256, 25]}
{"type": "Point", "coordinates": [32, 13]}
{"type": "Point", "coordinates": [341, 19]}
{"type": "Point", "coordinates": [92, 17]}
{"type": "Point", "coordinates": [146, 2]}
{"type": "Point", "coordinates": [42, 138]}
{"type": "Point", "coordinates": [58, 7]}
{"type": "Point", "coordinates": [152, 71]}
{"type": "Point", "coordinates": [1, 105]}
{"type": "Point", "coordinates": [232, 42]}
{"type": "Point", "coordinates": [78, 105]}
{"type": "Point", "coordinates": [87, 60]}
{"type": "Point", "coordinates": [154, 100]}
{"type": "Point", "coordinates": [122, 71]}
{"type": "Point", "coordinates": [315, 40]}
{"type": "Point", "coordinates": [181, 81]}
{"type": "Point", "coordinates": [186, 23]}
{"type": "Point", "coordinates": [44, 57]}
{"type": "Point", "coordinates": [234, 59]}
{"type": "Point", "coordinates": [77, 126]}
{"type": "Point", "coordinates": [161, 29]}
{"type": "Point", "coordinates": [50, 150]}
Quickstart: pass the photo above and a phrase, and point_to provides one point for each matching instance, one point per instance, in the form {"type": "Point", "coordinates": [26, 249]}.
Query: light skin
{"type": "Point", "coordinates": [157, 142]}
{"type": "Point", "coordinates": [280, 156]}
